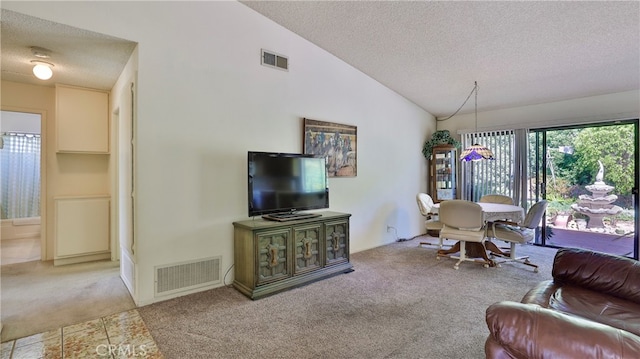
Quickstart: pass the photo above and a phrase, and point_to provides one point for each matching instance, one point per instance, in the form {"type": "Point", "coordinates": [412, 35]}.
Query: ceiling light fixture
{"type": "Point", "coordinates": [40, 52]}
{"type": "Point", "coordinates": [42, 70]}
{"type": "Point", "coordinates": [476, 152]}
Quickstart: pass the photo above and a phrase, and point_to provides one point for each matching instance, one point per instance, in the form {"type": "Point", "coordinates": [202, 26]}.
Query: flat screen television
{"type": "Point", "coordinates": [281, 184]}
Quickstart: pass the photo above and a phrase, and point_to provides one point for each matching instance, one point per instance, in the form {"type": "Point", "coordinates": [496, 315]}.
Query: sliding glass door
{"type": "Point", "coordinates": [589, 176]}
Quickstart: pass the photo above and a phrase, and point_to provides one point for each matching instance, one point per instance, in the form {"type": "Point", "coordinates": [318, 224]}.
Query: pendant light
{"type": "Point", "coordinates": [476, 151]}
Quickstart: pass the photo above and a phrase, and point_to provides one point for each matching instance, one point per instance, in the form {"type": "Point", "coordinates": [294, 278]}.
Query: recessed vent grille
{"type": "Point", "coordinates": [271, 59]}
{"type": "Point", "coordinates": [186, 276]}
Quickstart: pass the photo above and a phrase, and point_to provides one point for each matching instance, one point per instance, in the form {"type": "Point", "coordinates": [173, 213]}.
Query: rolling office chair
{"type": "Point", "coordinates": [518, 233]}
{"type": "Point", "coordinates": [432, 224]}
{"type": "Point", "coordinates": [496, 198]}
{"type": "Point", "coordinates": [463, 221]}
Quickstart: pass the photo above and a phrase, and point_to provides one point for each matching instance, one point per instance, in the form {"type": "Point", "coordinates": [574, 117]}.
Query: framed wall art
{"type": "Point", "coordinates": [337, 142]}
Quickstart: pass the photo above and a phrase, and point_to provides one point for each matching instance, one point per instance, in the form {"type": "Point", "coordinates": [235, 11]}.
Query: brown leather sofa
{"type": "Point", "coordinates": [590, 309]}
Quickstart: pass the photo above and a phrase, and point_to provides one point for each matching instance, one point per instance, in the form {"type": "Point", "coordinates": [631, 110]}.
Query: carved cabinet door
{"type": "Point", "coordinates": [273, 251]}
{"type": "Point", "coordinates": [337, 242]}
{"type": "Point", "coordinates": [307, 248]}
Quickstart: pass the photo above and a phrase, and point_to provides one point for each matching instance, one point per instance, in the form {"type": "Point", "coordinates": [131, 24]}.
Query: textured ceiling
{"type": "Point", "coordinates": [80, 57]}
{"type": "Point", "coordinates": [519, 52]}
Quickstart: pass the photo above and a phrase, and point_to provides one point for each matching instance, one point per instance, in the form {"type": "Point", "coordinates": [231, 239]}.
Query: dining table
{"type": "Point", "coordinates": [491, 212]}
{"type": "Point", "coordinates": [499, 211]}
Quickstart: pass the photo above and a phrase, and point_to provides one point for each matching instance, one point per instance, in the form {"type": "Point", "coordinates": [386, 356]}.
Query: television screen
{"type": "Point", "coordinates": [286, 182]}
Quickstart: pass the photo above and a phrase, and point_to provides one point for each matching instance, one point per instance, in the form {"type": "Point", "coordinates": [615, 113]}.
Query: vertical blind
{"type": "Point", "coordinates": [502, 175]}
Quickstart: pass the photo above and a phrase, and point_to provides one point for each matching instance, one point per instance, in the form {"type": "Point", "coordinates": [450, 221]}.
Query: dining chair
{"type": "Point", "coordinates": [496, 198]}
{"type": "Point", "coordinates": [518, 233]}
{"type": "Point", "coordinates": [462, 221]}
{"type": "Point", "coordinates": [432, 224]}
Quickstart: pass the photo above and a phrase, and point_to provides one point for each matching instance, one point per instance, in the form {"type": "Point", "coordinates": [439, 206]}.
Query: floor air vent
{"type": "Point", "coordinates": [271, 59]}
{"type": "Point", "coordinates": [186, 276]}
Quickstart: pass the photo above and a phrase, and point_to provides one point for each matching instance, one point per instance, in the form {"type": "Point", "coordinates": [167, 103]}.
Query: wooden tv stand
{"type": "Point", "coordinates": [271, 256]}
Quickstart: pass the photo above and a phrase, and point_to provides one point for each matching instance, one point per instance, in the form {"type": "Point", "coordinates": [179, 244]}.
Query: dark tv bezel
{"type": "Point", "coordinates": [253, 213]}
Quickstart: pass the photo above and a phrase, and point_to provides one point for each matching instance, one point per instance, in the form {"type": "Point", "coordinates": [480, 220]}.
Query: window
{"type": "Point", "coordinates": [506, 174]}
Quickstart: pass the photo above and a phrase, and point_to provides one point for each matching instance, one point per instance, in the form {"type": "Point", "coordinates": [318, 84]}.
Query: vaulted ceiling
{"type": "Point", "coordinates": [431, 52]}
{"type": "Point", "coordinates": [519, 52]}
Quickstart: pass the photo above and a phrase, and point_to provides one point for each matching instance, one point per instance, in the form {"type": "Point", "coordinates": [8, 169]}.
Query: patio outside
{"type": "Point", "coordinates": [590, 176]}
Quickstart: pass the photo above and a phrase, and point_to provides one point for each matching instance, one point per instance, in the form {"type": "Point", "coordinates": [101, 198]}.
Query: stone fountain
{"type": "Point", "coordinates": [599, 204]}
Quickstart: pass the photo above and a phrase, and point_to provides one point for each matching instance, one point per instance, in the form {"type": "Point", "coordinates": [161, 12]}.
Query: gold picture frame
{"type": "Point", "coordinates": [336, 142]}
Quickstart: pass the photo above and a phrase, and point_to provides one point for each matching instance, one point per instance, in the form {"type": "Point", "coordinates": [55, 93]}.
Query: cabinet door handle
{"type": "Point", "coordinates": [306, 243]}
{"type": "Point", "coordinates": [335, 240]}
{"type": "Point", "coordinates": [272, 253]}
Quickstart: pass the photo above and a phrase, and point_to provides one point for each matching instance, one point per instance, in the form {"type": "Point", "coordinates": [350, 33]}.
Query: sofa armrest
{"type": "Point", "coordinates": [530, 331]}
{"type": "Point", "coordinates": [540, 293]}
{"type": "Point", "coordinates": [601, 272]}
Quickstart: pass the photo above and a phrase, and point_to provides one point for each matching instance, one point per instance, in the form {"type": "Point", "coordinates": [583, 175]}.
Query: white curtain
{"type": "Point", "coordinates": [20, 175]}
{"type": "Point", "coordinates": [506, 174]}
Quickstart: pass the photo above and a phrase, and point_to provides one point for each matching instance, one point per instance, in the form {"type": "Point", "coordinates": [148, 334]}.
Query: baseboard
{"type": "Point", "coordinates": [81, 259]}
{"type": "Point", "coordinates": [142, 303]}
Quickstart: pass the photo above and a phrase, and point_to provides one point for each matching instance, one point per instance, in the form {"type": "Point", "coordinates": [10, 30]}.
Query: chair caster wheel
{"type": "Point", "coordinates": [485, 265]}
{"type": "Point", "coordinates": [535, 270]}
{"type": "Point", "coordinates": [455, 267]}
{"type": "Point", "coordinates": [438, 257]}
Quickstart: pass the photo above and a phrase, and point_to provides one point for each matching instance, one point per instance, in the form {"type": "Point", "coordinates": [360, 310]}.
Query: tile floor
{"type": "Point", "coordinates": [122, 335]}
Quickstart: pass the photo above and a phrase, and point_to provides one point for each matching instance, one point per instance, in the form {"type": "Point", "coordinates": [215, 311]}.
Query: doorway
{"type": "Point", "coordinates": [21, 187]}
{"type": "Point", "coordinates": [589, 176]}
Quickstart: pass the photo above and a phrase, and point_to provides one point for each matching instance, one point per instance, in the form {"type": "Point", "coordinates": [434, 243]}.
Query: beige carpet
{"type": "Point", "coordinates": [400, 302]}
{"type": "Point", "coordinates": [37, 297]}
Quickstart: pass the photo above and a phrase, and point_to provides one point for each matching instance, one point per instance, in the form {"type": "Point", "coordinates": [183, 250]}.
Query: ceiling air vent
{"type": "Point", "coordinates": [271, 59]}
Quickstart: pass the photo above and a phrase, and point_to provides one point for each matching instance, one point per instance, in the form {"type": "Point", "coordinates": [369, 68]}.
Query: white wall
{"type": "Point", "coordinates": [616, 106]}
{"type": "Point", "coordinates": [19, 122]}
{"type": "Point", "coordinates": [204, 100]}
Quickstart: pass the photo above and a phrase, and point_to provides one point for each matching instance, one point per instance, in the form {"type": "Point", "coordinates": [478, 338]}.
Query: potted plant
{"type": "Point", "coordinates": [442, 137]}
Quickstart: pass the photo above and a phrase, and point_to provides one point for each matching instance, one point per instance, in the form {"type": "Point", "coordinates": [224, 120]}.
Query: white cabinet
{"type": "Point", "coordinates": [82, 120]}
{"type": "Point", "coordinates": [81, 228]}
